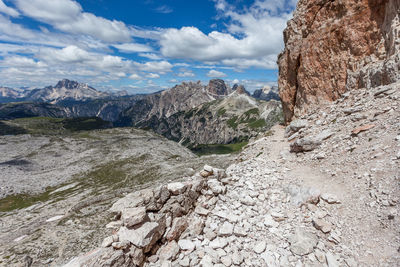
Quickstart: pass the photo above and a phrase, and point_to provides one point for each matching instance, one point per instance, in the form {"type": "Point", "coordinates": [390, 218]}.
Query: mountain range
{"type": "Point", "coordinates": [190, 112]}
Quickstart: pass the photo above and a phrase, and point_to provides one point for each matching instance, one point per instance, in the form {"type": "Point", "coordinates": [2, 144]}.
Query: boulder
{"type": "Point", "coordinates": [176, 188]}
{"type": "Point", "coordinates": [143, 237]}
{"type": "Point", "coordinates": [133, 216]}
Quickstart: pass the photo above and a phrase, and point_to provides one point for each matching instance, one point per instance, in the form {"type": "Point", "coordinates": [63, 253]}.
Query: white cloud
{"type": "Point", "coordinates": [8, 10]}
{"type": "Point", "coordinates": [155, 66]}
{"type": "Point", "coordinates": [135, 76]}
{"type": "Point", "coordinates": [153, 76]}
{"type": "Point", "coordinates": [185, 73]}
{"type": "Point", "coordinates": [68, 16]}
{"type": "Point", "coordinates": [216, 74]}
{"type": "Point", "coordinates": [150, 56]}
{"type": "Point", "coordinates": [164, 9]}
{"type": "Point", "coordinates": [133, 47]}
{"type": "Point", "coordinates": [260, 40]}
{"type": "Point", "coordinates": [23, 62]}
{"type": "Point", "coordinates": [69, 54]}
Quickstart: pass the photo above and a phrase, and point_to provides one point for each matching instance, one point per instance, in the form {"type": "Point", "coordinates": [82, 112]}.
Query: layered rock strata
{"type": "Point", "coordinates": [335, 46]}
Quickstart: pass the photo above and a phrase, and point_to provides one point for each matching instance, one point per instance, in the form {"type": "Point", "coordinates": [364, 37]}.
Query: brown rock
{"type": "Point", "coordinates": [329, 46]}
{"type": "Point", "coordinates": [136, 255]}
{"type": "Point", "coordinates": [169, 251]}
{"type": "Point", "coordinates": [179, 225]}
{"type": "Point", "coordinates": [363, 128]}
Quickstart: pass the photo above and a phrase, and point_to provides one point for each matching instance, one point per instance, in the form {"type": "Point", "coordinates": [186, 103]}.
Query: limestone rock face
{"type": "Point", "coordinates": [335, 46]}
{"type": "Point", "coordinates": [217, 87]}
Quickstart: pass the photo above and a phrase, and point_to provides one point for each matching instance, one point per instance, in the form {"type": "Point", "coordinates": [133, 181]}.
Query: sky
{"type": "Point", "coordinates": [141, 46]}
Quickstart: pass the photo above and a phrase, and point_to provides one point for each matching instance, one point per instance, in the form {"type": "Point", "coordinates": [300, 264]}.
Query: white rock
{"type": "Point", "coordinates": [239, 231]}
{"type": "Point", "coordinates": [260, 247]}
{"type": "Point", "coordinates": [226, 260]}
{"type": "Point", "coordinates": [186, 244]}
{"type": "Point", "coordinates": [331, 260]}
{"type": "Point", "coordinates": [201, 211]}
{"type": "Point", "coordinates": [270, 222]}
{"type": "Point", "coordinates": [206, 261]}
{"type": "Point", "coordinates": [176, 188]}
{"type": "Point", "coordinates": [330, 198]}
{"type": "Point", "coordinates": [55, 218]}
{"type": "Point", "coordinates": [226, 229]}
{"type": "Point", "coordinates": [218, 243]}
{"type": "Point", "coordinates": [247, 200]}
{"type": "Point", "coordinates": [237, 258]}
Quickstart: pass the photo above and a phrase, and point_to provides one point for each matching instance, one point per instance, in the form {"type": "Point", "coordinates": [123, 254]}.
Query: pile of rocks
{"type": "Point", "coordinates": [148, 223]}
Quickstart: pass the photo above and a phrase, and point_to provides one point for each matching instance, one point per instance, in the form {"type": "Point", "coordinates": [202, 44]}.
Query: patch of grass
{"type": "Point", "coordinates": [257, 124]}
{"type": "Point", "coordinates": [84, 124]}
{"type": "Point", "coordinates": [21, 201]}
{"type": "Point", "coordinates": [8, 129]}
{"type": "Point", "coordinates": [251, 111]}
{"type": "Point", "coordinates": [115, 173]}
{"type": "Point", "coordinates": [232, 122]}
{"type": "Point", "coordinates": [221, 112]}
{"type": "Point", "coordinates": [205, 149]}
{"type": "Point", "coordinates": [53, 126]}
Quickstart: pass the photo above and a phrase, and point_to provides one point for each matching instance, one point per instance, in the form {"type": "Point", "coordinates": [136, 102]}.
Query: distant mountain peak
{"type": "Point", "coordinates": [240, 89]}
{"type": "Point", "coordinates": [68, 84]}
{"type": "Point", "coordinates": [217, 87]}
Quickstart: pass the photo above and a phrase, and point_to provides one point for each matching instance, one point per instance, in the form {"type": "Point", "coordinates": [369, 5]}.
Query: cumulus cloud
{"type": "Point", "coordinates": [8, 10]}
{"type": "Point", "coordinates": [216, 74]}
{"type": "Point", "coordinates": [153, 76]}
{"type": "Point", "coordinates": [155, 66]}
{"type": "Point", "coordinates": [185, 73]}
{"type": "Point", "coordinates": [254, 35]}
{"type": "Point", "coordinates": [150, 56]}
{"type": "Point", "coordinates": [133, 47]}
{"type": "Point", "coordinates": [23, 62]}
{"type": "Point", "coordinates": [68, 16]}
{"type": "Point", "coordinates": [135, 76]}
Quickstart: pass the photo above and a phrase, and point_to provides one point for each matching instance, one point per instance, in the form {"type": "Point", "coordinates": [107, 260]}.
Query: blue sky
{"type": "Point", "coordinates": [141, 46]}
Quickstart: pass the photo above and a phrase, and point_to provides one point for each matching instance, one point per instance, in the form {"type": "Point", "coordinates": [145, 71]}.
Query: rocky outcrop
{"type": "Point", "coordinates": [335, 46]}
{"type": "Point", "coordinates": [218, 88]}
{"type": "Point", "coordinates": [240, 89]}
{"type": "Point", "coordinates": [267, 93]}
{"type": "Point", "coordinates": [151, 221]}
{"type": "Point", "coordinates": [236, 118]}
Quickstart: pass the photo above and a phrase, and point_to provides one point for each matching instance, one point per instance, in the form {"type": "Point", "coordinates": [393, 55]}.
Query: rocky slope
{"type": "Point", "coordinates": [9, 111]}
{"type": "Point", "coordinates": [63, 183]}
{"type": "Point", "coordinates": [237, 117]}
{"type": "Point", "coordinates": [278, 205]}
{"type": "Point", "coordinates": [181, 97]}
{"type": "Point", "coordinates": [334, 46]}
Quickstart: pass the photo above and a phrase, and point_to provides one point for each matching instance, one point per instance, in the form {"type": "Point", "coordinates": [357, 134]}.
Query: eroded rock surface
{"type": "Point", "coordinates": [335, 46]}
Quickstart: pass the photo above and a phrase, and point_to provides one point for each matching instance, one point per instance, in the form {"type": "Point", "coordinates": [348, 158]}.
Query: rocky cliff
{"type": "Point", "coordinates": [237, 117]}
{"type": "Point", "coordinates": [335, 46]}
